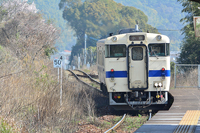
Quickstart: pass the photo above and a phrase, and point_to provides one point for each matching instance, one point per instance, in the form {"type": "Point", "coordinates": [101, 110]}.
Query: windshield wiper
{"type": "Point", "coordinates": [155, 54]}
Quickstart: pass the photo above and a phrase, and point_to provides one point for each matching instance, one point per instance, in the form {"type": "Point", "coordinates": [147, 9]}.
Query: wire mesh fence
{"type": "Point", "coordinates": [186, 76]}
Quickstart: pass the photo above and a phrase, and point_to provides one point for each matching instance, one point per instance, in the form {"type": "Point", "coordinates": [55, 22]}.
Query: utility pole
{"type": "Point", "coordinates": [85, 56]}
{"type": "Point", "coordinates": [58, 75]}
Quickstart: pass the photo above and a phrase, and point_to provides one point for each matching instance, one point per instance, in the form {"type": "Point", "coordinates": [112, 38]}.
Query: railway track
{"type": "Point", "coordinates": [101, 100]}
{"type": "Point", "coordinates": [82, 76]}
{"type": "Point", "coordinates": [116, 125]}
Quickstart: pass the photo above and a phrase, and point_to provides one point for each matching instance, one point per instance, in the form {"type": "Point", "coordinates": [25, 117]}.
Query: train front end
{"type": "Point", "coordinates": [137, 70]}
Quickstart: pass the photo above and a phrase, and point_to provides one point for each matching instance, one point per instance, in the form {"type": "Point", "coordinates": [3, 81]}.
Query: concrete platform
{"type": "Point", "coordinates": [168, 121]}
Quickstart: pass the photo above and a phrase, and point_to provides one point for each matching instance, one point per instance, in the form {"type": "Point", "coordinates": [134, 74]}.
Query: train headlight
{"type": "Point", "coordinates": [156, 84]}
{"type": "Point", "coordinates": [158, 37]}
{"type": "Point", "coordinates": [114, 39]}
{"type": "Point", "coordinates": [160, 84]}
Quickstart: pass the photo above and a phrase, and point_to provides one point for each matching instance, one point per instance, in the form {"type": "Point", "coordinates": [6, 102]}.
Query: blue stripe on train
{"type": "Point", "coordinates": [158, 73]}
{"type": "Point", "coordinates": [123, 74]}
{"type": "Point", "coordinates": [116, 74]}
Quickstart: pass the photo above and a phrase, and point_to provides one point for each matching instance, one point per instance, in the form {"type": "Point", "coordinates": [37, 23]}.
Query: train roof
{"type": "Point", "coordinates": [121, 38]}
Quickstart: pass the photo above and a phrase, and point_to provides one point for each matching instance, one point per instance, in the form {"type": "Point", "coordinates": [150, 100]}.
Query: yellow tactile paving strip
{"type": "Point", "coordinates": [188, 122]}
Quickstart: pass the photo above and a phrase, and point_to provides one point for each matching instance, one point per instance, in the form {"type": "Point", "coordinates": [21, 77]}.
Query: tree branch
{"type": "Point", "coordinates": [11, 74]}
{"type": "Point", "coordinates": [195, 1]}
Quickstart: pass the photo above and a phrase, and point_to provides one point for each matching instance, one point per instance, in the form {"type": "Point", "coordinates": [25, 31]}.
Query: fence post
{"type": "Point", "coordinates": [175, 76]}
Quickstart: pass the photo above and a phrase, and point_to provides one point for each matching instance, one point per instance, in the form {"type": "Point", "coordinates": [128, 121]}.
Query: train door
{"type": "Point", "coordinates": [137, 67]}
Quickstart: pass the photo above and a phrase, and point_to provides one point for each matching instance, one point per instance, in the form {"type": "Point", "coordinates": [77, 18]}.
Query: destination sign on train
{"type": "Point", "coordinates": [136, 37]}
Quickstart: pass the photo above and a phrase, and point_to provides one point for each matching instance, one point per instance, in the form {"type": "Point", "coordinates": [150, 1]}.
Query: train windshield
{"type": "Point", "coordinates": [159, 49]}
{"type": "Point", "coordinates": [115, 51]}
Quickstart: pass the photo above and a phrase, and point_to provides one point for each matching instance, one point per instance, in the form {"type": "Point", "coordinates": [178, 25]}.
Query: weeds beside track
{"type": "Point", "coordinates": [116, 125]}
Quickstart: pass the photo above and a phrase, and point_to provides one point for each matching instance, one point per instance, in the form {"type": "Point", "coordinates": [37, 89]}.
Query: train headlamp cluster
{"type": "Point", "coordinates": [158, 84]}
{"type": "Point", "coordinates": [158, 37]}
{"type": "Point", "coordinates": [114, 39]}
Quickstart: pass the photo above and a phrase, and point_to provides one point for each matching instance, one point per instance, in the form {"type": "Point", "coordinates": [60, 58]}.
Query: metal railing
{"type": "Point", "coordinates": [186, 76]}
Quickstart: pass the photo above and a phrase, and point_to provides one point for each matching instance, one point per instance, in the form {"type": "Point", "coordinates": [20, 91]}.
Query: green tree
{"type": "Point", "coordinates": [97, 18]}
{"type": "Point", "coordinates": [162, 14]}
{"type": "Point", "coordinates": [195, 1]}
{"type": "Point", "coordinates": [190, 50]}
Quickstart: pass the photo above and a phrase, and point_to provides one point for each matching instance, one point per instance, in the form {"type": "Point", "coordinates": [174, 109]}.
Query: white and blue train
{"type": "Point", "coordinates": [134, 69]}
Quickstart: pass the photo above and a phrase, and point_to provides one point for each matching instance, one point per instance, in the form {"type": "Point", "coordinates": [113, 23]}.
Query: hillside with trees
{"type": "Point", "coordinates": [165, 15]}
{"type": "Point", "coordinates": [98, 18]}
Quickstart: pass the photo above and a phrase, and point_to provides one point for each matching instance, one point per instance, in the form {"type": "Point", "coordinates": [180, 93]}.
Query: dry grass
{"type": "Point", "coordinates": [29, 91]}
{"type": "Point", "coordinates": [32, 99]}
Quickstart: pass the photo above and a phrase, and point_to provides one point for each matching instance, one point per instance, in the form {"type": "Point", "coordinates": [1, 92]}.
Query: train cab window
{"type": "Point", "coordinates": [159, 49]}
{"type": "Point", "coordinates": [115, 51]}
{"type": "Point", "coordinates": [137, 53]}
{"type": "Point", "coordinates": [167, 49]}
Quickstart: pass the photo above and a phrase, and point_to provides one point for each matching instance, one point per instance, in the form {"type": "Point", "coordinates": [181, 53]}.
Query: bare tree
{"type": "Point", "coordinates": [28, 82]}
{"type": "Point", "coordinates": [25, 31]}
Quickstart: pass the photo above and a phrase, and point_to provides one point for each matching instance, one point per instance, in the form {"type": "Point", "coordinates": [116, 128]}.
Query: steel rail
{"type": "Point", "coordinates": [116, 125]}
{"type": "Point", "coordinates": [83, 81]}
{"type": "Point", "coordinates": [88, 76]}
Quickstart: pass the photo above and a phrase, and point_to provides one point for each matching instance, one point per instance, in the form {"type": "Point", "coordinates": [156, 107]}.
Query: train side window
{"type": "Point", "coordinates": [158, 49]}
{"type": "Point", "coordinates": [137, 53]}
{"type": "Point", "coordinates": [115, 51]}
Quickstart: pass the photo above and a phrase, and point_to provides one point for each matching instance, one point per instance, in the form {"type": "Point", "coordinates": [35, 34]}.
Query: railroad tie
{"type": "Point", "coordinates": [188, 122]}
